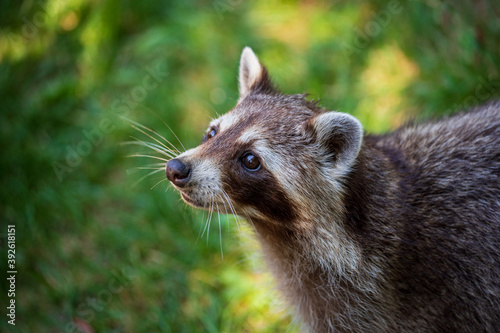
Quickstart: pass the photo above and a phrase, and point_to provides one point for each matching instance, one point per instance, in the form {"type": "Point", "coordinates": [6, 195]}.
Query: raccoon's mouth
{"type": "Point", "coordinates": [190, 201]}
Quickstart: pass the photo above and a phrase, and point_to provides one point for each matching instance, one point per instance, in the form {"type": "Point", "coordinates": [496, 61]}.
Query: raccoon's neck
{"type": "Point", "coordinates": [337, 254]}
{"type": "Point", "coordinates": [340, 228]}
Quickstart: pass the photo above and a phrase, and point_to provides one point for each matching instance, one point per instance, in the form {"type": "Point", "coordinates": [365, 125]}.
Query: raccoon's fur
{"type": "Point", "coordinates": [393, 233]}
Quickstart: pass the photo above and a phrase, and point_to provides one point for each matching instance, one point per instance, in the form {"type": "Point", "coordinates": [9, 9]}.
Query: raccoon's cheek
{"type": "Point", "coordinates": [265, 195]}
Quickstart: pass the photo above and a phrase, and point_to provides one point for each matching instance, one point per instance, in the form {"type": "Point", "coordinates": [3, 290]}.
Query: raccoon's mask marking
{"type": "Point", "coordinates": [267, 154]}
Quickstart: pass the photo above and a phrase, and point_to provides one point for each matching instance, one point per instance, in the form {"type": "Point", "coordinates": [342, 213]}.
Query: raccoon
{"type": "Point", "coordinates": [363, 233]}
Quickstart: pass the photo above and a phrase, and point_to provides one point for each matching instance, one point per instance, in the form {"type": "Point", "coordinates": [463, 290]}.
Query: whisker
{"type": "Point", "coordinates": [150, 168]}
{"type": "Point", "coordinates": [161, 143]}
{"type": "Point", "coordinates": [152, 145]}
{"type": "Point", "coordinates": [137, 125]}
{"type": "Point", "coordinates": [176, 137]}
{"type": "Point", "coordinates": [213, 109]}
{"type": "Point", "coordinates": [160, 149]}
{"type": "Point", "coordinates": [226, 198]}
{"type": "Point", "coordinates": [138, 169]}
{"type": "Point", "coordinates": [144, 177]}
{"type": "Point", "coordinates": [220, 234]}
{"type": "Point", "coordinates": [161, 181]}
{"type": "Point", "coordinates": [249, 220]}
{"type": "Point", "coordinates": [202, 229]}
{"type": "Point", "coordinates": [224, 203]}
{"type": "Point", "coordinates": [206, 223]}
{"type": "Point", "coordinates": [155, 164]}
{"type": "Point", "coordinates": [232, 209]}
{"type": "Point", "coordinates": [164, 123]}
{"type": "Point", "coordinates": [210, 218]}
{"type": "Point", "coordinates": [155, 157]}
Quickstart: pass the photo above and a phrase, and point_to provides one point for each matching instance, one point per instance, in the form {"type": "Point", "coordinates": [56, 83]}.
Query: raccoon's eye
{"type": "Point", "coordinates": [211, 133]}
{"type": "Point", "coordinates": [250, 162]}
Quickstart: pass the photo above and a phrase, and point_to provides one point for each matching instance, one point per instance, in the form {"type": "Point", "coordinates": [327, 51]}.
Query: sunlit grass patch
{"type": "Point", "coordinates": [381, 88]}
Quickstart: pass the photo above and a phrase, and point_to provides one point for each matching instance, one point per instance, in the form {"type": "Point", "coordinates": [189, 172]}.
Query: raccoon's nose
{"type": "Point", "coordinates": [178, 172]}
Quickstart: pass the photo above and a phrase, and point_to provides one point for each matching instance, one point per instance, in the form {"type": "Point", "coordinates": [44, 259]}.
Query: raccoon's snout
{"type": "Point", "coordinates": [178, 172]}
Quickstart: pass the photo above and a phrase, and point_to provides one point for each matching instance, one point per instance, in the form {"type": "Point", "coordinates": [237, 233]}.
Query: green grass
{"type": "Point", "coordinates": [87, 233]}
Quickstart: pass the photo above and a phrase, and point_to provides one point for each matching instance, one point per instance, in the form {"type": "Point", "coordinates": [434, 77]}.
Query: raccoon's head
{"type": "Point", "coordinates": [274, 157]}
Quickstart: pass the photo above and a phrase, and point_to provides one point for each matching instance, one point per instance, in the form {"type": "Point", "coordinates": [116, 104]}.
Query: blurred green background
{"type": "Point", "coordinates": [98, 251]}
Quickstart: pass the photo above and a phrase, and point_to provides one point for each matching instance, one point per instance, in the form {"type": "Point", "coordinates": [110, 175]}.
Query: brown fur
{"type": "Point", "coordinates": [393, 233]}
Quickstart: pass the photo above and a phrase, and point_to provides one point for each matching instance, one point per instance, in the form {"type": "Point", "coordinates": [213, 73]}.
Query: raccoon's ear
{"type": "Point", "coordinates": [252, 76]}
{"type": "Point", "coordinates": [340, 134]}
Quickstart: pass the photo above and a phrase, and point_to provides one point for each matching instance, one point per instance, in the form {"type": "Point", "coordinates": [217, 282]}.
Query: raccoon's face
{"type": "Point", "coordinates": [269, 156]}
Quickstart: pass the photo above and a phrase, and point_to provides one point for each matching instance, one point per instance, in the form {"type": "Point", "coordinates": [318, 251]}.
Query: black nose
{"type": "Point", "coordinates": [178, 172]}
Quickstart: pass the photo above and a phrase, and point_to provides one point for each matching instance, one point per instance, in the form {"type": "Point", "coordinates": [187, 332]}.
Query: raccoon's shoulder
{"type": "Point", "coordinates": [459, 141]}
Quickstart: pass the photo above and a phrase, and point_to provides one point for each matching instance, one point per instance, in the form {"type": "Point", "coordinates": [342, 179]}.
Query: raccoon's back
{"type": "Point", "coordinates": [456, 159]}
{"type": "Point", "coordinates": [451, 172]}
{"type": "Point", "coordinates": [451, 183]}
